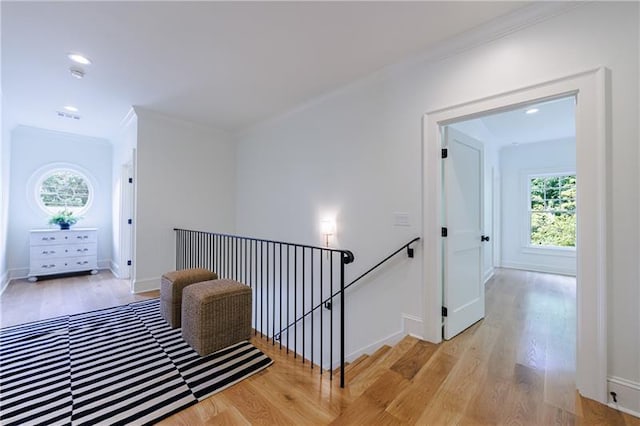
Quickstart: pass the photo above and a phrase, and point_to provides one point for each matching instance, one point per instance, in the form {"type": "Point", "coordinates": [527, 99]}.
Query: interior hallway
{"type": "Point", "coordinates": [516, 366]}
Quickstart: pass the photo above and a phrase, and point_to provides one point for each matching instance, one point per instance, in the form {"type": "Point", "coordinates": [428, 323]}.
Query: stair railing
{"type": "Point", "coordinates": [286, 280]}
{"type": "Point", "coordinates": [280, 274]}
{"type": "Point", "coordinates": [328, 302]}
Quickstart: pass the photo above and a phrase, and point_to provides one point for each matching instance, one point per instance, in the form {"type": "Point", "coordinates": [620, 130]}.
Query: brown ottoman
{"type": "Point", "coordinates": [216, 314]}
{"type": "Point", "coordinates": [171, 287]}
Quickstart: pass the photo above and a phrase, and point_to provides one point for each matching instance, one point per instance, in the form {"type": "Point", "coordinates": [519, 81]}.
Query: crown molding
{"type": "Point", "coordinates": [488, 32]}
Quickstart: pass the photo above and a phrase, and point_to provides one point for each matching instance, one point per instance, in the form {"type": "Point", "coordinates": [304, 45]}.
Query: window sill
{"type": "Point", "coordinates": [549, 250]}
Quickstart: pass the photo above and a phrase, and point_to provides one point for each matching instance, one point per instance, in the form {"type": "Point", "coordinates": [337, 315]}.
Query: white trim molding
{"type": "Point", "coordinates": [488, 274]}
{"type": "Point", "coordinates": [592, 138]}
{"type": "Point", "coordinates": [145, 284]}
{"type": "Point", "coordinates": [4, 281]}
{"type": "Point", "coordinates": [114, 268]}
{"type": "Point", "coordinates": [390, 340]}
{"type": "Point", "coordinates": [546, 269]}
{"type": "Point", "coordinates": [18, 273]}
{"type": "Point", "coordinates": [413, 326]}
{"type": "Point", "coordinates": [627, 394]}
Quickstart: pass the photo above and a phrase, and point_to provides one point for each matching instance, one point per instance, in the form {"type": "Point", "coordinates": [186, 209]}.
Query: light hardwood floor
{"type": "Point", "coordinates": [516, 366]}
{"type": "Point", "coordinates": [24, 301]}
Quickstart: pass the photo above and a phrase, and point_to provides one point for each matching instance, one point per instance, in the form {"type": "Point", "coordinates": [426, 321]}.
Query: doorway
{"type": "Point", "coordinates": [591, 156]}
{"type": "Point", "coordinates": [533, 150]}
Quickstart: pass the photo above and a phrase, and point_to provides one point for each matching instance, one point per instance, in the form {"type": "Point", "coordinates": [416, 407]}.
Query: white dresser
{"type": "Point", "coordinates": [59, 252]}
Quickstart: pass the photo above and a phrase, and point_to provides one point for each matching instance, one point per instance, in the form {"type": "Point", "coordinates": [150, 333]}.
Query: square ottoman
{"type": "Point", "coordinates": [216, 314]}
{"type": "Point", "coordinates": [171, 287]}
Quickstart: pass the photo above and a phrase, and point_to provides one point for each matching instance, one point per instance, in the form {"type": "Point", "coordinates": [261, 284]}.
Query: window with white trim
{"type": "Point", "coordinates": [552, 210]}
{"type": "Point", "coordinates": [64, 189]}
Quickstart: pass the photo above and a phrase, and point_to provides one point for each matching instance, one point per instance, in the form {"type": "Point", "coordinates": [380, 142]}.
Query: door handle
{"type": "Point", "coordinates": [484, 238]}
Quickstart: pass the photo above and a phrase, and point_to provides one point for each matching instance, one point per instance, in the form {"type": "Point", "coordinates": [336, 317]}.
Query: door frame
{"type": "Point", "coordinates": [591, 88]}
{"type": "Point", "coordinates": [126, 212]}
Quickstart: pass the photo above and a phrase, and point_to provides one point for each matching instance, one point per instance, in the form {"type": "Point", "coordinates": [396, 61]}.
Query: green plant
{"type": "Point", "coordinates": [63, 217]}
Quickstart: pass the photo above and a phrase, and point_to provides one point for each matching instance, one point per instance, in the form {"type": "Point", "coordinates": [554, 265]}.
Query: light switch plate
{"type": "Point", "coordinates": [401, 219]}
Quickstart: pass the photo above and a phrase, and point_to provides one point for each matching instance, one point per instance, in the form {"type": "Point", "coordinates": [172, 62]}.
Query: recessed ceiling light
{"type": "Point", "coordinates": [71, 108]}
{"type": "Point", "coordinates": [78, 58]}
{"type": "Point", "coordinates": [532, 111]}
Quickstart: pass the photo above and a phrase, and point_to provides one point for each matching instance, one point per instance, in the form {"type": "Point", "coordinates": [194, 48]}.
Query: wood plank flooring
{"type": "Point", "coordinates": [24, 301]}
{"type": "Point", "coordinates": [516, 366]}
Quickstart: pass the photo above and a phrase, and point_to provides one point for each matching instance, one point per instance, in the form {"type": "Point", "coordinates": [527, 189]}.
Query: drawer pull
{"type": "Point", "coordinates": [83, 262]}
{"type": "Point", "coordinates": [83, 250]}
{"type": "Point", "coordinates": [48, 238]}
{"type": "Point", "coordinates": [48, 266]}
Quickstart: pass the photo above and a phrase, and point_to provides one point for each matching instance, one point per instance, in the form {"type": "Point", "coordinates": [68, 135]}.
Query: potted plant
{"type": "Point", "coordinates": [64, 218]}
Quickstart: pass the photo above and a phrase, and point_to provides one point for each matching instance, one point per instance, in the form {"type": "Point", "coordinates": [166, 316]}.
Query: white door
{"type": "Point", "coordinates": [463, 217]}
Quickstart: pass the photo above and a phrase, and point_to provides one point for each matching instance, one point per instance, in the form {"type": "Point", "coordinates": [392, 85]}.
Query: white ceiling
{"type": "Point", "coordinates": [224, 64]}
{"type": "Point", "coordinates": [554, 120]}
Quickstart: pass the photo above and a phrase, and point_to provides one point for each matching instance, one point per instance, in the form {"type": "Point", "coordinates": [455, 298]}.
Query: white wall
{"type": "Point", "coordinates": [357, 152]}
{"type": "Point", "coordinates": [123, 145]}
{"type": "Point", "coordinates": [517, 163]}
{"type": "Point", "coordinates": [185, 178]}
{"type": "Point", "coordinates": [32, 149]}
{"type": "Point", "coordinates": [4, 187]}
{"type": "Point", "coordinates": [5, 153]}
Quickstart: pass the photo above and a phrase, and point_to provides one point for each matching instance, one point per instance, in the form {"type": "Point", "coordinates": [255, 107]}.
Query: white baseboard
{"type": "Point", "coordinates": [390, 340]}
{"type": "Point", "coordinates": [539, 268]}
{"type": "Point", "coordinates": [627, 394]}
{"type": "Point", "coordinates": [413, 326]}
{"type": "Point", "coordinates": [488, 274]}
{"type": "Point", "coordinates": [115, 269]}
{"type": "Point", "coordinates": [146, 284]}
{"type": "Point", "coordinates": [18, 273]}
{"type": "Point", "coordinates": [4, 281]}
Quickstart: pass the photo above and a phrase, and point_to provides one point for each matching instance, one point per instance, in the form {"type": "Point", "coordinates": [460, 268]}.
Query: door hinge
{"type": "Point", "coordinates": [443, 232]}
{"type": "Point", "coordinates": [130, 180]}
{"type": "Point", "coordinates": [129, 221]}
{"type": "Point", "coordinates": [128, 263]}
{"type": "Point", "coordinates": [445, 152]}
{"type": "Point", "coordinates": [444, 311]}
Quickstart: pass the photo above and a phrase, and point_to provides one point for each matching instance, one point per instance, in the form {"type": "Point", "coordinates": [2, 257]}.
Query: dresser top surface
{"type": "Point", "coordinates": [63, 230]}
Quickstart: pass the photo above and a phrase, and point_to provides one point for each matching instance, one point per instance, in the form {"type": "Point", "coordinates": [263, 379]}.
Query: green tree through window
{"type": "Point", "coordinates": [552, 210]}
{"type": "Point", "coordinates": [64, 189]}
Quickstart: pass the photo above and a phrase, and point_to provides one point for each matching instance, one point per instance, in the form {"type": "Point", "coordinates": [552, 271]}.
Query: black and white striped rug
{"type": "Point", "coordinates": [121, 365]}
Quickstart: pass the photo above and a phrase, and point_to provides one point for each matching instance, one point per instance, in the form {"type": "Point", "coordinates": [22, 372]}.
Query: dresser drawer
{"type": "Point", "coordinates": [57, 266]}
{"type": "Point", "coordinates": [46, 238]}
{"type": "Point", "coordinates": [62, 237]}
{"type": "Point", "coordinates": [52, 252]}
{"type": "Point", "coordinates": [81, 263]}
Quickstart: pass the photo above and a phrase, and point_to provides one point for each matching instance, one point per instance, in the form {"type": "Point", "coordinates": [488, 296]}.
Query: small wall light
{"type": "Point", "coordinates": [327, 228]}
